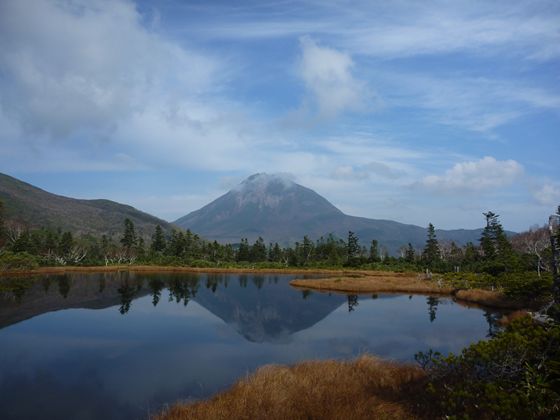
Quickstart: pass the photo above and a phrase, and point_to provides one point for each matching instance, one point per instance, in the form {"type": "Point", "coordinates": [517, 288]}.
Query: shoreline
{"type": "Point", "coordinates": [335, 280]}
{"type": "Point", "coordinates": [182, 269]}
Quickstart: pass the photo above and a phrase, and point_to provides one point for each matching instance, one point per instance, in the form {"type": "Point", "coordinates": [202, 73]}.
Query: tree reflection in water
{"type": "Point", "coordinates": [493, 325]}
{"type": "Point", "coordinates": [63, 286]}
{"type": "Point", "coordinates": [433, 303]}
{"type": "Point", "coordinates": [156, 286]}
{"type": "Point", "coordinates": [127, 293]}
{"type": "Point", "coordinates": [352, 302]}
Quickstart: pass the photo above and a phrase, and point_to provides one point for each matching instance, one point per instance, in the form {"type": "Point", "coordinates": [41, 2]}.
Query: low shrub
{"type": "Point", "coordinates": [514, 375]}
{"type": "Point", "coordinates": [469, 280]}
{"type": "Point", "coordinates": [526, 285]}
{"type": "Point", "coordinates": [18, 261]}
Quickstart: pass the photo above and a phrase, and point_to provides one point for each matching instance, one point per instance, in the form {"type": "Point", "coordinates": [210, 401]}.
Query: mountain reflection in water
{"type": "Point", "coordinates": [120, 345]}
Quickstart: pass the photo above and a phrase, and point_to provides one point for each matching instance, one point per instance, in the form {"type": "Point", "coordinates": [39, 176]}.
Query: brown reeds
{"type": "Point", "coordinates": [378, 283]}
{"type": "Point", "coordinates": [365, 388]}
{"type": "Point", "coordinates": [509, 318]}
{"type": "Point", "coordinates": [410, 283]}
{"type": "Point", "coordinates": [491, 298]}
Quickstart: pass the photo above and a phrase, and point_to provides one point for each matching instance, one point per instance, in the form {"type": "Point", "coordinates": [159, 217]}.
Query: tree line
{"type": "Point", "coordinates": [495, 253]}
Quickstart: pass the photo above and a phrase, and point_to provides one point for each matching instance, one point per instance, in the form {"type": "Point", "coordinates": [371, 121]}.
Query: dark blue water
{"type": "Point", "coordinates": [122, 346]}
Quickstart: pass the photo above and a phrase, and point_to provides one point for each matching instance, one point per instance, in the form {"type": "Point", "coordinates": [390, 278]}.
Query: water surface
{"type": "Point", "coordinates": [119, 345]}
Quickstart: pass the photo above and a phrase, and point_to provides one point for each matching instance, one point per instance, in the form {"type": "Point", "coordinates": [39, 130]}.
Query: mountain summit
{"type": "Point", "coordinates": [280, 210]}
{"type": "Point", "coordinates": [271, 206]}
{"type": "Point", "coordinates": [280, 197]}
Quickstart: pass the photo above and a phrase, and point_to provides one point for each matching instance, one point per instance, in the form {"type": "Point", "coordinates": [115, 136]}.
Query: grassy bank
{"type": "Point", "coordinates": [364, 388]}
{"type": "Point", "coordinates": [374, 282]}
{"type": "Point", "coordinates": [411, 283]}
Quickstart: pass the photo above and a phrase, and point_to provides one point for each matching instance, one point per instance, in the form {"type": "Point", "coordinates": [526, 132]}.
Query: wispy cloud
{"type": "Point", "coordinates": [477, 104]}
{"type": "Point", "coordinates": [373, 169]}
{"type": "Point", "coordinates": [406, 28]}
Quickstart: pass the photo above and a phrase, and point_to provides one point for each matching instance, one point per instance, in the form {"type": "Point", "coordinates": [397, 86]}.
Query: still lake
{"type": "Point", "coordinates": [123, 345]}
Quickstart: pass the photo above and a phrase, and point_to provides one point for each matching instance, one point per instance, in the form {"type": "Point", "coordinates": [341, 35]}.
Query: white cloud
{"type": "Point", "coordinates": [327, 74]}
{"type": "Point", "coordinates": [548, 195]}
{"type": "Point", "coordinates": [75, 66]}
{"type": "Point", "coordinates": [484, 174]}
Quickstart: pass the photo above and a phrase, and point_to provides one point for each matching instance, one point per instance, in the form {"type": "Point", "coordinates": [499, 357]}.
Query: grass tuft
{"type": "Point", "coordinates": [364, 388]}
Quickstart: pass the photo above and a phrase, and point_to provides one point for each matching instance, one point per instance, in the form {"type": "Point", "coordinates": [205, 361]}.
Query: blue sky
{"type": "Point", "coordinates": [413, 111]}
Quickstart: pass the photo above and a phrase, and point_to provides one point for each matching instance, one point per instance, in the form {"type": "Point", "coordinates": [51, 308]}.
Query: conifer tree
{"type": "Point", "coordinates": [258, 251]}
{"type": "Point", "coordinates": [275, 253]}
{"type": "Point", "coordinates": [128, 240]}
{"type": "Point", "coordinates": [158, 240]}
{"type": "Point", "coordinates": [374, 251]}
{"type": "Point", "coordinates": [494, 242]}
{"type": "Point", "coordinates": [140, 248]}
{"type": "Point", "coordinates": [409, 254]}
{"type": "Point", "coordinates": [352, 249]}
{"type": "Point", "coordinates": [66, 243]}
{"type": "Point", "coordinates": [176, 244]}
{"type": "Point", "coordinates": [488, 239]}
{"type": "Point", "coordinates": [243, 251]}
{"type": "Point", "coordinates": [431, 253]}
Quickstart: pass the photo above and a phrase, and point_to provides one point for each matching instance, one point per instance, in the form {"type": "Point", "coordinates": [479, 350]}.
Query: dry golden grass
{"type": "Point", "coordinates": [410, 283]}
{"type": "Point", "coordinates": [375, 283]}
{"type": "Point", "coordinates": [509, 318]}
{"type": "Point", "coordinates": [491, 298]}
{"type": "Point", "coordinates": [365, 388]}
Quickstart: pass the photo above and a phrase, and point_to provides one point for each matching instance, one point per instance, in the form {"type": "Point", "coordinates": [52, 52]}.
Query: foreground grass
{"type": "Point", "coordinates": [364, 388]}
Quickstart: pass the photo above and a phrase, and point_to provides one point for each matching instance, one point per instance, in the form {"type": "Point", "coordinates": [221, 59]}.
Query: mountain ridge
{"type": "Point", "coordinates": [280, 210]}
{"type": "Point", "coordinates": [35, 207]}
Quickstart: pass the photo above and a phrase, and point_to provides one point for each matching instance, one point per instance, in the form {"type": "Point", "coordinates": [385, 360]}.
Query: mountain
{"type": "Point", "coordinates": [35, 207]}
{"type": "Point", "coordinates": [280, 210]}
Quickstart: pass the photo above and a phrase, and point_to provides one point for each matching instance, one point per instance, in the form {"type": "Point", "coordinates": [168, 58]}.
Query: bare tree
{"type": "Point", "coordinates": [14, 230]}
{"type": "Point", "coordinates": [534, 242]}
